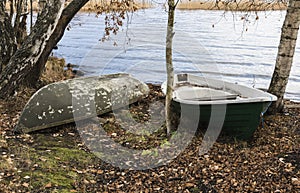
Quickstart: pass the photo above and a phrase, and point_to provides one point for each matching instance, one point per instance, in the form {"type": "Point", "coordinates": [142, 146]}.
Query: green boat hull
{"type": "Point", "coordinates": [240, 120]}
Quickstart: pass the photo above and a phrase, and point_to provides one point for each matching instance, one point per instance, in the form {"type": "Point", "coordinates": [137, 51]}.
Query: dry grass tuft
{"type": "Point", "coordinates": [93, 5]}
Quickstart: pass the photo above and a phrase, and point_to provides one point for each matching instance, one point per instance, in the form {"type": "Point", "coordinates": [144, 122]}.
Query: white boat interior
{"type": "Point", "coordinates": [191, 89]}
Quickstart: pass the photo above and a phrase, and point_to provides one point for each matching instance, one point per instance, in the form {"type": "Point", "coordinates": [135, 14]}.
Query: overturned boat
{"type": "Point", "coordinates": [235, 107]}
{"type": "Point", "coordinates": [63, 102]}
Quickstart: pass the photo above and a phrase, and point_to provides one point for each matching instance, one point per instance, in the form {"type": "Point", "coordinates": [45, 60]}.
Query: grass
{"type": "Point", "coordinates": [50, 164]}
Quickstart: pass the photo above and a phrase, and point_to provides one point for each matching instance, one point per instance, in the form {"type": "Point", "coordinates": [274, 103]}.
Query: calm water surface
{"type": "Point", "coordinates": [209, 43]}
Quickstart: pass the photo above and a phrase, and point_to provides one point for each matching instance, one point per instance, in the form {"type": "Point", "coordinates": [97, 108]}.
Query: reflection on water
{"type": "Point", "coordinates": [205, 42]}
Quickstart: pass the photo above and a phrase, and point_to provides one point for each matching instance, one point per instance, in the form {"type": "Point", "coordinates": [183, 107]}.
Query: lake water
{"type": "Point", "coordinates": [210, 43]}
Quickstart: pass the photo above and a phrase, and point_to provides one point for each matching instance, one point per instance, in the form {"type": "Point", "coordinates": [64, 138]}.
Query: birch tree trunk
{"type": "Point", "coordinates": [23, 61]}
{"type": "Point", "coordinates": [285, 54]}
{"type": "Point", "coordinates": [8, 44]}
{"type": "Point", "coordinates": [20, 21]}
{"type": "Point", "coordinates": [67, 15]}
{"type": "Point", "coordinates": [169, 64]}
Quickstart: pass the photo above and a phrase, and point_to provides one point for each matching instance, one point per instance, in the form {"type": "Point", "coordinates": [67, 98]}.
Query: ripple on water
{"type": "Point", "coordinates": [225, 50]}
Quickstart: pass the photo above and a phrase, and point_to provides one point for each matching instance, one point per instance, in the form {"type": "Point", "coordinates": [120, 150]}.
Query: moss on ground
{"type": "Point", "coordinates": [51, 164]}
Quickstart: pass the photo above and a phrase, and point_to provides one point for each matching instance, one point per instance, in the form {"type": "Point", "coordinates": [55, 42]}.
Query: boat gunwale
{"type": "Point", "coordinates": [226, 102]}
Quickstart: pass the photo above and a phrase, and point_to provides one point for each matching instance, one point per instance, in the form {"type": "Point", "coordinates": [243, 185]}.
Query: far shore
{"type": "Point", "coordinates": [239, 5]}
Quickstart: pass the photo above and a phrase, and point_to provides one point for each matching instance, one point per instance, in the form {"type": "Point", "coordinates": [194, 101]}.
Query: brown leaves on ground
{"type": "Point", "coordinates": [10, 111]}
{"type": "Point", "coordinates": [267, 163]}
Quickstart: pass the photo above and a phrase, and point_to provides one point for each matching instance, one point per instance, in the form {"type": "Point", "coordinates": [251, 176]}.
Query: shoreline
{"type": "Point", "coordinates": [240, 5]}
{"type": "Point", "coordinates": [225, 5]}
{"type": "Point", "coordinates": [58, 158]}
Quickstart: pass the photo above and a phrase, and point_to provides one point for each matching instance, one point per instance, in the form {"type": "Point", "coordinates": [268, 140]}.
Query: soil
{"type": "Point", "coordinates": [60, 159]}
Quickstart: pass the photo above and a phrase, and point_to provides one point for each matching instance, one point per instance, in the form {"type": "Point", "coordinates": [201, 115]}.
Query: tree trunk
{"type": "Point", "coordinates": [8, 44]}
{"type": "Point", "coordinates": [19, 21]}
{"type": "Point", "coordinates": [23, 61]}
{"type": "Point", "coordinates": [169, 65]}
{"type": "Point", "coordinates": [66, 16]}
{"type": "Point", "coordinates": [285, 54]}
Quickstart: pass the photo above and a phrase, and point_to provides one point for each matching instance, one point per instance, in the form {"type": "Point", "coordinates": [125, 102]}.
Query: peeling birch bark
{"type": "Point", "coordinates": [68, 13]}
{"type": "Point", "coordinates": [8, 44]}
{"type": "Point", "coordinates": [286, 50]}
{"type": "Point", "coordinates": [21, 63]}
{"type": "Point", "coordinates": [169, 65]}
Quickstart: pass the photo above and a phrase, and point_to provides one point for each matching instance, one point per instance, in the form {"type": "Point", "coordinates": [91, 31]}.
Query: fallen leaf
{"type": "Point", "coordinates": [100, 172]}
{"type": "Point", "coordinates": [25, 184]}
{"type": "Point", "coordinates": [295, 181]}
{"type": "Point", "coordinates": [49, 185]}
{"type": "Point", "coordinates": [189, 184]}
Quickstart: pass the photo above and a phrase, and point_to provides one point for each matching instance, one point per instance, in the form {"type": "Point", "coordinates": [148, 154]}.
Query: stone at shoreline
{"type": "Point", "coordinates": [76, 99]}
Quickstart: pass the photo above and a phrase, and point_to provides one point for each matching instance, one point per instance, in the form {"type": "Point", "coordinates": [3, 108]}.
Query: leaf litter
{"type": "Point", "coordinates": [58, 159]}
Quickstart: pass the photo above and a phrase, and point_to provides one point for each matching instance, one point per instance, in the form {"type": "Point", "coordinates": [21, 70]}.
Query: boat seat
{"type": "Point", "coordinates": [203, 94]}
{"type": "Point", "coordinates": [214, 98]}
